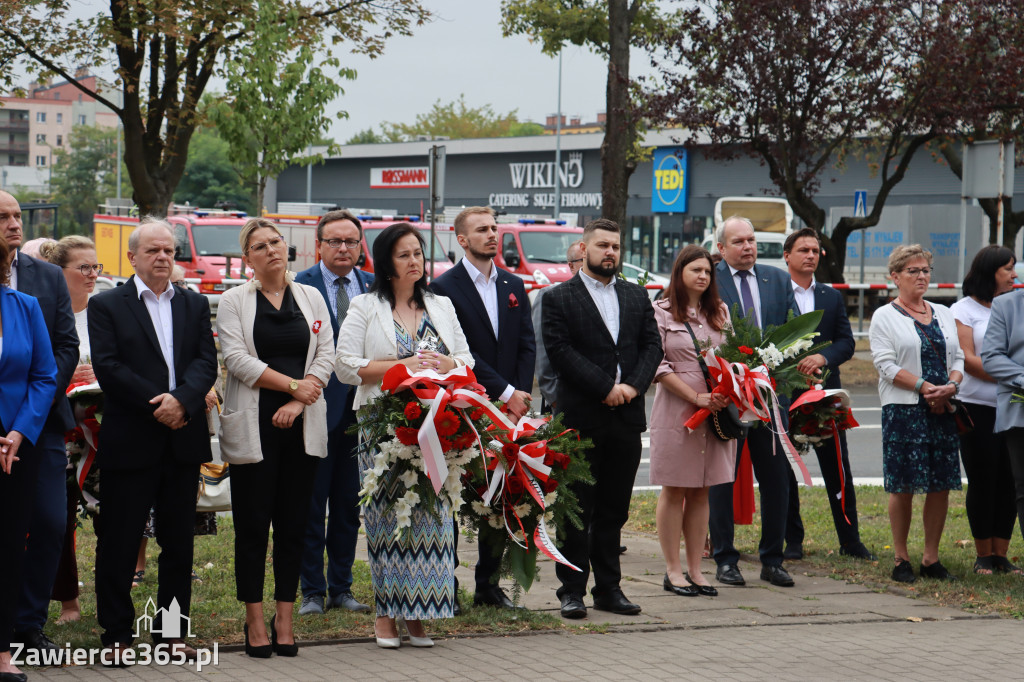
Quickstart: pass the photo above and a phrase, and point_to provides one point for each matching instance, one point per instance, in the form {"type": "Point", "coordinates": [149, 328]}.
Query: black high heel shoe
{"type": "Point", "coordinates": [281, 649]}
{"type": "Point", "coordinates": [262, 651]}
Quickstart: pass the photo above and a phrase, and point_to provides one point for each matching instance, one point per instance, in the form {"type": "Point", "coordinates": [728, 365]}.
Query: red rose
{"type": "Point", "coordinates": [515, 485]}
{"type": "Point", "coordinates": [447, 423]}
{"type": "Point", "coordinates": [807, 408]}
{"type": "Point", "coordinates": [809, 429]}
{"type": "Point", "coordinates": [413, 411]}
{"type": "Point", "coordinates": [407, 435]}
{"type": "Point", "coordinates": [556, 459]}
{"type": "Point", "coordinates": [513, 302]}
{"type": "Point", "coordinates": [510, 455]}
{"type": "Point", "coordinates": [549, 485]}
{"type": "Point", "coordinates": [746, 350]}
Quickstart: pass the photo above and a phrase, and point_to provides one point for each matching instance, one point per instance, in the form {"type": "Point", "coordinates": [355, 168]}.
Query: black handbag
{"type": "Point", "coordinates": [725, 424]}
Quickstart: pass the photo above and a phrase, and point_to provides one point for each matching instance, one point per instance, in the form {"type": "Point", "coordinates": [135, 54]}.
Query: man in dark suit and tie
{"type": "Point", "coordinates": [44, 282]}
{"type": "Point", "coordinates": [599, 331]}
{"type": "Point", "coordinates": [802, 251]}
{"type": "Point", "coordinates": [766, 294]}
{"type": "Point", "coordinates": [336, 490]}
{"type": "Point", "coordinates": [494, 312]}
{"type": "Point", "coordinates": [154, 357]}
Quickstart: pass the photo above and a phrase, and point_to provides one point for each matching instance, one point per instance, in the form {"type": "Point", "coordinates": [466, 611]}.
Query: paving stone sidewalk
{"type": "Point", "coordinates": [820, 629]}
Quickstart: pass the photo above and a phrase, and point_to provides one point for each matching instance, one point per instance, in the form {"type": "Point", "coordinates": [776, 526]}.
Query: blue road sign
{"type": "Point", "coordinates": [860, 203]}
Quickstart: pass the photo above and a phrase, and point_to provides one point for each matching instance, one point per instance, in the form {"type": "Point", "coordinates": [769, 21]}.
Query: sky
{"type": "Point", "coordinates": [461, 52]}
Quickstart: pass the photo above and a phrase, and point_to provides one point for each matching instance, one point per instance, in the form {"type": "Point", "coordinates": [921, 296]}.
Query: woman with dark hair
{"type": "Point", "coordinates": [28, 382]}
{"type": "Point", "coordinates": [400, 322]}
{"type": "Point", "coordinates": [685, 464]}
{"type": "Point", "coordinates": [990, 492]}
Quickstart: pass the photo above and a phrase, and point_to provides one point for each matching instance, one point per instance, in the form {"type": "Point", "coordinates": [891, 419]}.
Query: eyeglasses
{"type": "Point", "coordinates": [180, 283]}
{"type": "Point", "coordinates": [573, 261]}
{"type": "Point", "coordinates": [275, 243]}
{"type": "Point", "coordinates": [86, 269]}
{"type": "Point", "coordinates": [914, 272]}
{"type": "Point", "coordinates": [352, 244]}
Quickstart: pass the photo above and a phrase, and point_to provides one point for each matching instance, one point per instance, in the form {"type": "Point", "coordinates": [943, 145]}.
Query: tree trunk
{"type": "Point", "coordinates": [619, 132]}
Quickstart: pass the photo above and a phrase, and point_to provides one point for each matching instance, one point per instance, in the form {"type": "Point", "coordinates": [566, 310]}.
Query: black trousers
{"type": "Point", "coordinates": [275, 491]}
{"type": "Point", "coordinates": [1015, 450]}
{"type": "Point", "coordinates": [17, 494]}
{"type": "Point", "coordinates": [991, 511]}
{"type": "Point", "coordinates": [170, 488]}
{"type": "Point", "coordinates": [65, 585]}
{"type": "Point", "coordinates": [846, 530]}
{"type": "Point", "coordinates": [771, 470]}
{"type": "Point", "coordinates": [604, 509]}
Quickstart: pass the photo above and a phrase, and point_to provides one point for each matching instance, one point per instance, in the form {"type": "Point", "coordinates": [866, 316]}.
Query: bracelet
{"type": "Point", "coordinates": [918, 385]}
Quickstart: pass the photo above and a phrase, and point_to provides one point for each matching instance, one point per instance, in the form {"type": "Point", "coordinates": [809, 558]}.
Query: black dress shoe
{"type": "Point", "coordinates": [616, 602]}
{"type": "Point", "coordinates": [34, 640]}
{"type": "Point", "coordinates": [113, 655]}
{"type": "Point", "coordinates": [776, 575]}
{"type": "Point", "coordinates": [622, 549]}
{"type": "Point", "coordinates": [261, 651]}
{"type": "Point", "coordinates": [857, 550]}
{"type": "Point", "coordinates": [729, 574]}
{"type": "Point", "coordinates": [289, 650]}
{"type": "Point", "coordinates": [13, 677]}
{"type": "Point", "coordinates": [705, 590]}
{"type": "Point", "coordinates": [573, 606]}
{"type": "Point", "coordinates": [456, 607]}
{"type": "Point", "coordinates": [493, 595]}
{"type": "Point", "coordinates": [793, 553]}
{"type": "Point", "coordinates": [689, 590]}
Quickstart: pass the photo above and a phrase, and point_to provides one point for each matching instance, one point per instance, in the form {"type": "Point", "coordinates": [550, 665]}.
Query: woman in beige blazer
{"type": "Point", "coordinates": [276, 339]}
{"type": "Point", "coordinates": [400, 322]}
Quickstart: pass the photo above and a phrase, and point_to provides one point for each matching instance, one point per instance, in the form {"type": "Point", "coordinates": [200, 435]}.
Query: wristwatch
{"type": "Point", "coordinates": [293, 385]}
{"type": "Point", "coordinates": [956, 385]}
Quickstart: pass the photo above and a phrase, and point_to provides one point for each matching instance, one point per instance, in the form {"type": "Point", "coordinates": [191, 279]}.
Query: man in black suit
{"type": "Point", "coordinates": [154, 356]}
{"type": "Point", "coordinates": [599, 331]}
{"type": "Point", "coordinates": [802, 251]}
{"type": "Point", "coordinates": [494, 312]}
{"type": "Point", "coordinates": [45, 282]}
{"type": "Point", "coordinates": [336, 490]}
{"type": "Point", "coordinates": [766, 293]}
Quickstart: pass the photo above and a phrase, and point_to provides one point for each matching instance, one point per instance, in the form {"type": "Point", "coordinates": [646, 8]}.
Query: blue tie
{"type": "Point", "coordinates": [746, 297]}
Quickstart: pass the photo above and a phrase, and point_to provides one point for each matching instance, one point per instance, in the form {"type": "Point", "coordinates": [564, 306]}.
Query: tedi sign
{"type": "Point", "coordinates": [543, 175]}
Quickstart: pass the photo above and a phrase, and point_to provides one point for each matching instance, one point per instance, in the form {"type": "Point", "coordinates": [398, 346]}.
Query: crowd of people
{"type": "Point", "coordinates": [595, 343]}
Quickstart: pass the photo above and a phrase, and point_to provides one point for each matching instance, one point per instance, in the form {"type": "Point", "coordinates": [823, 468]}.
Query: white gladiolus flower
{"type": "Point", "coordinates": [411, 498]}
{"type": "Point", "coordinates": [409, 478]}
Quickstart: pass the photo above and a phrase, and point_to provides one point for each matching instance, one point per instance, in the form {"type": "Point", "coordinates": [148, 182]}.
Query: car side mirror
{"type": "Point", "coordinates": [511, 258]}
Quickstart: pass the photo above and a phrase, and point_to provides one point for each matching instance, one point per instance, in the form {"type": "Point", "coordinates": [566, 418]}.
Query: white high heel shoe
{"type": "Point", "coordinates": [422, 642]}
{"type": "Point", "coordinates": [390, 642]}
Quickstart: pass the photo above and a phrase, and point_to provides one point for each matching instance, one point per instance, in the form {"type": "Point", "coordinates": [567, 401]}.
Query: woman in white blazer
{"type": "Point", "coordinates": [916, 351]}
{"type": "Point", "coordinates": [400, 322]}
{"type": "Point", "coordinates": [276, 339]}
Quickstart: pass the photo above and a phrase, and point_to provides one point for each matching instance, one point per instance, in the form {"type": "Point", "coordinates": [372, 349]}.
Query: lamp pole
{"type": "Point", "coordinates": [558, 142]}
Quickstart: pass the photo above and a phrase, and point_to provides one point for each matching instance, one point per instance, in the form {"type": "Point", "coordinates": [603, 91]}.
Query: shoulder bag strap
{"type": "Point", "coordinates": [700, 357]}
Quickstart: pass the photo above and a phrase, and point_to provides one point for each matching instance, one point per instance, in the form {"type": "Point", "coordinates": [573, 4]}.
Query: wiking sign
{"type": "Point", "coordinates": [543, 175]}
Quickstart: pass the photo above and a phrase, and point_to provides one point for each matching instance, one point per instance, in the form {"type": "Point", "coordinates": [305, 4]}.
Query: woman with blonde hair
{"type": "Point", "coordinates": [916, 350]}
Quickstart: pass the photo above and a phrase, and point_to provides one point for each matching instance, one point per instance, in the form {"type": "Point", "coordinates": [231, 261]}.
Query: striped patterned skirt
{"type": "Point", "coordinates": [414, 575]}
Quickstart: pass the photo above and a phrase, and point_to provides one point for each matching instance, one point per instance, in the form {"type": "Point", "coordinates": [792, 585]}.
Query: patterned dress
{"type": "Point", "coordinates": [413, 577]}
{"type": "Point", "coordinates": [920, 450]}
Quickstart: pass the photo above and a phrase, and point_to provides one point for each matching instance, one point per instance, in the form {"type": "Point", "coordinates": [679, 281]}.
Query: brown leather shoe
{"type": "Point", "coordinates": [179, 648]}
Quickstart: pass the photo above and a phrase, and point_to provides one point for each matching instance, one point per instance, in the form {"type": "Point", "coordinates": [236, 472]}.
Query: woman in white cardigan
{"type": "Point", "coordinates": [917, 353]}
{"type": "Point", "coordinates": [400, 322]}
{"type": "Point", "coordinates": [276, 339]}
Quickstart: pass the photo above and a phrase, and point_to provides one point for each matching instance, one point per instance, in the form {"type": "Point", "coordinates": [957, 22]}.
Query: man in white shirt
{"type": "Point", "coordinates": [494, 313]}
{"type": "Point", "coordinates": [802, 252]}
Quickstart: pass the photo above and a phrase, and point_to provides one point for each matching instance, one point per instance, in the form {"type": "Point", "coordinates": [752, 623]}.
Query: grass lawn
{"type": "Point", "coordinates": [218, 617]}
{"type": "Point", "coordinates": [1002, 594]}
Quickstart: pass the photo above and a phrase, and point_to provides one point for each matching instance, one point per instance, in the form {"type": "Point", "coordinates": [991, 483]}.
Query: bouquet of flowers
{"type": "Point", "coordinates": [81, 442]}
{"type": "Point", "coordinates": [818, 415]}
{"type": "Point", "coordinates": [520, 492]}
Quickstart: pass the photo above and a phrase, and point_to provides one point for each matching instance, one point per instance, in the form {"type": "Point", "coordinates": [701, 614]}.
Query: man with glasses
{"type": "Point", "coordinates": [339, 240]}
{"type": "Point", "coordinates": [547, 377]}
{"type": "Point", "coordinates": [44, 282]}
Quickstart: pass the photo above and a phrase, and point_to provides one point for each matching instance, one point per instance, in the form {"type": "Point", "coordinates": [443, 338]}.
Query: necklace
{"type": "Point", "coordinates": [904, 304]}
{"type": "Point", "coordinates": [414, 332]}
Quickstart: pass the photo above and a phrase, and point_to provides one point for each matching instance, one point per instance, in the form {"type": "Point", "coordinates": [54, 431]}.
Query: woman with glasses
{"type": "Point", "coordinates": [76, 255]}
{"type": "Point", "coordinates": [916, 351]}
{"type": "Point", "coordinates": [276, 338]}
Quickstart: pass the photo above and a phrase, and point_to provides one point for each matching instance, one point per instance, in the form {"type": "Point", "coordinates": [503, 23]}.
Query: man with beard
{"type": "Point", "coordinates": [494, 312]}
{"type": "Point", "coordinates": [599, 331]}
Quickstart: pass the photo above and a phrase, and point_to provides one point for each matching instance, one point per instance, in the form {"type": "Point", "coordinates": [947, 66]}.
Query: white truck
{"type": "Point", "coordinates": [773, 222]}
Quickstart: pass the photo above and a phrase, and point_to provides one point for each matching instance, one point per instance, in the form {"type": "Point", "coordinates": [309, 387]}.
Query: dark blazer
{"type": "Point", "coordinates": [131, 370]}
{"type": "Point", "coordinates": [774, 287]}
{"type": "Point", "coordinates": [579, 345]}
{"type": "Point", "coordinates": [335, 393]}
{"type": "Point", "coordinates": [45, 282]}
{"type": "Point", "coordinates": [834, 327]}
{"type": "Point", "coordinates": [508, 359]}
{"type": "Point", "coordinates": [27, 370]}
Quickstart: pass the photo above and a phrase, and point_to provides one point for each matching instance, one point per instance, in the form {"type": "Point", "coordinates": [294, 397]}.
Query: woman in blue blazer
{"type": "Point", "coordinates": [28, 381]}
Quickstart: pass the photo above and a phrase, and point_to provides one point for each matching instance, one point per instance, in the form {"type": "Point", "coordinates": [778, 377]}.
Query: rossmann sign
{"type": "Point", "coordinates": [670, 180]}
{"type": "Point", "coordinates": [400, 178]}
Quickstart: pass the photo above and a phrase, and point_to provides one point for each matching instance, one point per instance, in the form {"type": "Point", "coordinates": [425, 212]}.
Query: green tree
{"type": "Point", "coordinates": [368, 136]}
{"type": "Point", "coordinates": [85, 175]}
{"type": "Point", "coordinates": [458, 121]}
{"type": "Point", "coordinates": [209, 178]}
{"type": "Point", "coordinates": [607, 28]}
{"type": "Point", "coordinates": [165, 52]}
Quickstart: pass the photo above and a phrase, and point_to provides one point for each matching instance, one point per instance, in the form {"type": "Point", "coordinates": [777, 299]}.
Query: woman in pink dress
{"type": "Point", "coordinates": [685, 464]}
